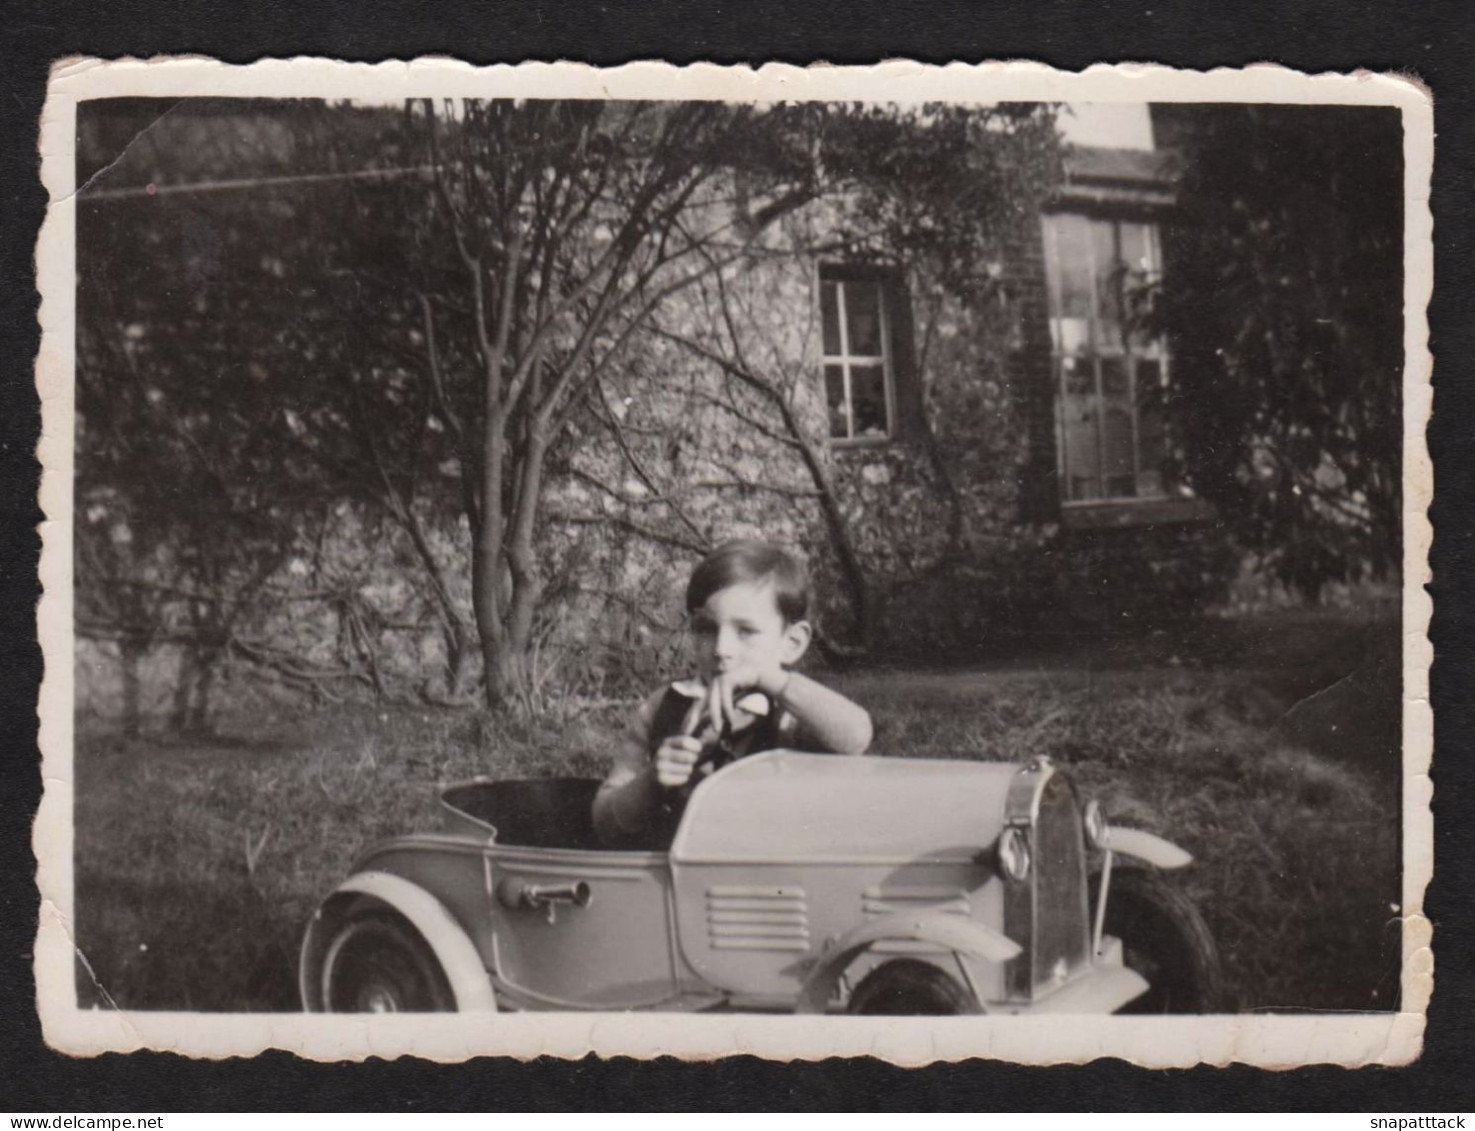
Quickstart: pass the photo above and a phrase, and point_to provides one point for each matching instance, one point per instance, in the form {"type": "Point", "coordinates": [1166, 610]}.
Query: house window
{"type": "Point", "coordinates": [1109, 373]}
{"type": "Point", "coordinates": [859, 378]}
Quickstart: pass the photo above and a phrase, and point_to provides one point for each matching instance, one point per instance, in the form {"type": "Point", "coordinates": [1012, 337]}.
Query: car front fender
{"type": "Point", "coordinates": [452, 948]}
{"type": "Point", "coordinates": [1146, 846]}
{"type": "Point", "coordinates": [957, 934]}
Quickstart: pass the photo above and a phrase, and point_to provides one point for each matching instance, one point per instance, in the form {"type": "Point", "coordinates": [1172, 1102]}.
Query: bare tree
{"type": "Point", "coordinates": [572, 222]}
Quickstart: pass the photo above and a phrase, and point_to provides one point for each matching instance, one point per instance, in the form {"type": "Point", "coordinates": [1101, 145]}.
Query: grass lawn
{"type": "Point", "coordinates": [199, 862]}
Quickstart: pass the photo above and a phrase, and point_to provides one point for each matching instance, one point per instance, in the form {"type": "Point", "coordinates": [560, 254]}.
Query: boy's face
{"type": "Point", "coordinates": [741, 631]}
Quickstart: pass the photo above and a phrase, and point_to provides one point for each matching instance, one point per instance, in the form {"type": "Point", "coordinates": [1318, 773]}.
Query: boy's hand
{"type": "Point", "coordinates": [675, 760]}
{"type": "Point", "coordinates": [729, 686]}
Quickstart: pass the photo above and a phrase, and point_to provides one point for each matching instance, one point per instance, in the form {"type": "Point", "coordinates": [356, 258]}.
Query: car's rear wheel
{"type": "Point", "coordinates": [378, 963]}
{"type": "Point", "coordinates": [1165, 939]}
{"type": "Point", "coordinates": [910, 987]}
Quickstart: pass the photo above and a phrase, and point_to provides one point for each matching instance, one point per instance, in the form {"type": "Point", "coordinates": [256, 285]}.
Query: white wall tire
{"type": "Point", "coordinates": [377, 963]}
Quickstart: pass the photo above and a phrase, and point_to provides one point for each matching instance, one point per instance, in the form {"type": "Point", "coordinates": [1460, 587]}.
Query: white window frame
{"type": "Point", "coordinates": [1099, 348]}
{"type": "Point", "coordinates": [841, 279]}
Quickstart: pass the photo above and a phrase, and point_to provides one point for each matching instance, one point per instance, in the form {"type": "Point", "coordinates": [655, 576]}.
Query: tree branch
{"type": "Point", "coordinates": [630, 524]}
{"type": "Point", "coordinates": [615, 426]}
{"type": "Point", "coordinates": [437, 383]}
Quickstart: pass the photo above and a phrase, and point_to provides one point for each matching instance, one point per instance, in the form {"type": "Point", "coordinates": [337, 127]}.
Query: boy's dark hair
{"type": "Point", "coordinates": [748, 559]}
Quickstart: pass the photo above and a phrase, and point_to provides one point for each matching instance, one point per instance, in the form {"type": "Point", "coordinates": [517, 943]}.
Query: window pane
{"type": "Point", "coordinates": [1078, 431]}
{"type": "Point", "coordinates": [863, 318]}
{"type": "Point", "coordinates": [1073, 264]}
{"type": "Point", "coordinates": [1152, 451]}
{"type": "Point", "coordinates": [1114, 377]}
{"type": "Point", "coordinates": [830, 316]}
{"type": "Point", "coordinates": [868, 400]}
{"type": "Point", "coordinates": [1080, 376]}
{"type": "Point", "coordinates": [1139, 314]}
{"type": "Point", "coordinates": [1151, 444]}
{"type": "Point", "coordinates": [1121, 473]}
{"type": "Point", "coordinates": [1137, 249]}
{"type": "Point", "coordinates": [1072, 335]}
{"type": "Point", "coordinates": [1140, 272]}
{"type": "Point", "coordinates": [1051, 246]}
{"type": "Point", "coordinates": [835, 397]}
{"type": "Point", "coordinates": [1109, 282]}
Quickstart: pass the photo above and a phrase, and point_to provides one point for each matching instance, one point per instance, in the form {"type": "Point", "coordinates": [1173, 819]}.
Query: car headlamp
{"type": "Point", "coordinates": [1094, 821]}
{"type": "Point", "coordinates": [1014, 854]}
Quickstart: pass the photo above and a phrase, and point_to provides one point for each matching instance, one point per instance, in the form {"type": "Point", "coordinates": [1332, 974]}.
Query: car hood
{"type": "Point", "coordinates": [787, 806]}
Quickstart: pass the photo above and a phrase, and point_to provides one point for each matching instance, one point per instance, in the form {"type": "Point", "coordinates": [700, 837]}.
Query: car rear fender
{"type": "Point", "coordinates": [962, 935]}
{"type": "Point", "coordinates": [452, 947]}
{"type": "Point", "coordinates": [1155, 850]}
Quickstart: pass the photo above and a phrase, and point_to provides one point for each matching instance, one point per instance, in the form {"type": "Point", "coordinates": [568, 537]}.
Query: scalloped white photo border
{"type": "Point", "coordinates": [1265, 1040]}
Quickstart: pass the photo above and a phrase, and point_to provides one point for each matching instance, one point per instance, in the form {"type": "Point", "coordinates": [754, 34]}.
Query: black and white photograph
{"type": "Point", "coordinates": [904, 561]}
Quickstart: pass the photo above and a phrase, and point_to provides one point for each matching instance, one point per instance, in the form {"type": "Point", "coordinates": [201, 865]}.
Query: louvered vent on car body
{"type": "Point", "coordinates": [755, 917]}
{"type": "Point", "coordinates": [875, 902]}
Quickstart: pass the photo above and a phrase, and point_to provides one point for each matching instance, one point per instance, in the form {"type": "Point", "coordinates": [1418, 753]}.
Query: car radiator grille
{"type": "Point", "coordinates": [755, 917]}
{"type": "Point", "coordinates": [1061, 931]}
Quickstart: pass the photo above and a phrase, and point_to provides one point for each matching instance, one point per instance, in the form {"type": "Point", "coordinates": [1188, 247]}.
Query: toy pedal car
{"type": "Point", "coordinates": [795, 882]}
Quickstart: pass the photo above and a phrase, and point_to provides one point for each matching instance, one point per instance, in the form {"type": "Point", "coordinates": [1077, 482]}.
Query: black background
{"type": "Point", "coordinates": [1429, 41]}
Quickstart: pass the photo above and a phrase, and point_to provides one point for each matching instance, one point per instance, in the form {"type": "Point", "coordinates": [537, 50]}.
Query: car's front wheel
{"type": "Point", "coordinates": [1165, 939]}
{"type": "Point", "coordinates": [910, 987]}
{"type": "Point", "coordinates": [378, 963]}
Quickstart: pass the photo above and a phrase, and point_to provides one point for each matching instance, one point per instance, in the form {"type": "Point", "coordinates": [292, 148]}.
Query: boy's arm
{"type": "Point", "coordinates": [828, 720]}
{"type": "Point", "coordinates": [630, 796]}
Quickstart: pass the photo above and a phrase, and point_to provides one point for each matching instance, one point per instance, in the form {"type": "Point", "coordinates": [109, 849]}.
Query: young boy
{"type": "Point", "coordinates": [747, 603]}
